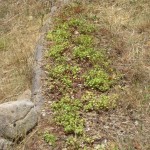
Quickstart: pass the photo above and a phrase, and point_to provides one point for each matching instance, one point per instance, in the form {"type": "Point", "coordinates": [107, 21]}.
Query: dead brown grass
{"type": "Point", "coordinates": [124, 30]}
{"type": "Point", "coordinates": [19, 31]}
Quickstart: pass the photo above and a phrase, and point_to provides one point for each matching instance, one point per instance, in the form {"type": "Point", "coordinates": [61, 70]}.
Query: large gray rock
{"type": "Point", "coordinates": [5, 144]}
{"type": "Point", "coordinates": [17, 118]}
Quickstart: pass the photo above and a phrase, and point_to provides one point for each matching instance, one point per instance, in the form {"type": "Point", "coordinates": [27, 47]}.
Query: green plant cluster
{"type": "Point", "coordinates": [98, 78]}
{"type": "Point", "coordinates": [96, 103]}
{"type": "Point", "coordinates": [67, 110]}
{"type": "Point", "coordinates": [75, 59]}
{"type": "Point", "coordinates": [64, 73]}
{"type": "Point", "coordinates": [67, 114]}
{"type": "Point", "coordinates": [77, 48]}
{"type": "Point", "coordinates": [57, 50]}
{"type": "Point", "coordinates": [75, 142]}
{"type": "Point", "coordinates": [50, 138]}
{"type": "Point", "coordinates": [61, 70]}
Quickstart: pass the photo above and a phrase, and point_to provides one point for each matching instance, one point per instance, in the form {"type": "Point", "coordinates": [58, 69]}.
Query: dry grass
{"type": "Point", "coordinates": [125, 29]}
{"type": "Point", "coordinates": [19, 31]}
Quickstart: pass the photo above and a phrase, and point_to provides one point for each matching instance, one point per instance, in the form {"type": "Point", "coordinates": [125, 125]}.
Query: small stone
{"type": "Point", "coordinates": [80, 85]}
{"type": "Point", "coordinates": [53, 9]}
{"type": "Point", "coordinates": [88, 129]}
{"type": "Point", "coordinates": [97, 147]}
{"type": "Point", "coordinates": [43, 114]}
{"type": "Point", "coordinates": [136, 123]}
{"type": "Point", "coordinates": [106, 127]}
{"type": "Point", "coordinates": [30, 18]}
{"type": "Point", "coordinates": [76, 32]}
{"type": "Point", "coordinates": [105, 141]}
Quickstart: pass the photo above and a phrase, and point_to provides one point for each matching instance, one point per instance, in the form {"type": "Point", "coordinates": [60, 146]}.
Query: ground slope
{"type": "Point", "coordinates": [97, 78]}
